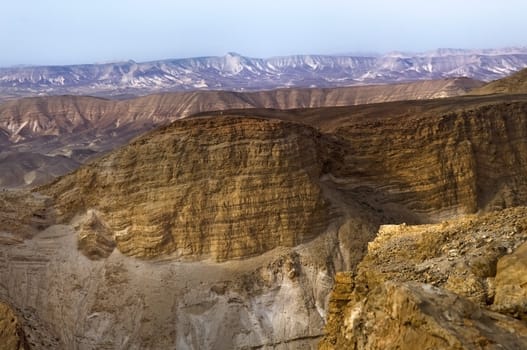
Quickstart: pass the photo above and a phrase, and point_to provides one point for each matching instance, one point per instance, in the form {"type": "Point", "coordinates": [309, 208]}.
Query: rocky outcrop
{"type": "Point", "coordinates": [511, 284]}
{"type": "Point", "coordinates": [436, 286]}
{"type": "Point", "coordinates": [94, 238]}
{"type": "Point", "coordinates": [11, 334]}
{"type": "Point", "coordinates": [223, 188]}
{"type": "Point", "coordinates": [420, 316]}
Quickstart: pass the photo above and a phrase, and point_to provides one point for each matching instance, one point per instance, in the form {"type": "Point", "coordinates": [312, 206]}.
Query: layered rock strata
{"type": "Point", "coordinates": [29, 118]}
{"type": "Point", "coordinates": [75, 291]}
{"type": "Point", "coordinates": [432, 165]}
{"type": "Point", "coordinates": [297, 204]}
{"type": "Point", "coordinates": [223, 188]}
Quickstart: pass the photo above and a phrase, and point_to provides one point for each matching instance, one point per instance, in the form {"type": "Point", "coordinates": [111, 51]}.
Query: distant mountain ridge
{"type": "Point", "coordinates": [237, 72]}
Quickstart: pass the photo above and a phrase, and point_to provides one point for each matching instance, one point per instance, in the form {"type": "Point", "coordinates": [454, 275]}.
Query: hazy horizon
{"type": "Point", "coordinates": [58, 32]}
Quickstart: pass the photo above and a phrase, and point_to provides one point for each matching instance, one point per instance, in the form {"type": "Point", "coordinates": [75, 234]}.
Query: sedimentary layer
{"type": "Point", "coordinates": [223, 188]}
{"type": "Point", "coordinates": [429, 161]}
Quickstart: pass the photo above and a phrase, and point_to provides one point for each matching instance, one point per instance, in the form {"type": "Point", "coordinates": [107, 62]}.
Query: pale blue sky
{"type": "Point", "coordinates": [77, 31]}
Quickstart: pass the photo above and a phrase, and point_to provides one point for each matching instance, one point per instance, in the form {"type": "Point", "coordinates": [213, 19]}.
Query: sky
{"type": "Point", "coordinates": [57, 32]}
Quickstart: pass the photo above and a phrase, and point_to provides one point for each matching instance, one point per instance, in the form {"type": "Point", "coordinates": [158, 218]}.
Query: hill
{"type": "Point", "coordinates": [514, 84]}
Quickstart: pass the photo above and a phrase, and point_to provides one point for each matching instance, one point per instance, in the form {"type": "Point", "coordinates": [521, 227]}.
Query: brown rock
{"type": "Point", "coordinates": [433, 287]}
{"type": "Point", "coordinates": [223, 188]}
{"type": "Point", "coordinates": [11, 334]}
{"type": "Point", "coordinates": [511, 283]}
{"type": "Point", "coordinates": [419, 316]}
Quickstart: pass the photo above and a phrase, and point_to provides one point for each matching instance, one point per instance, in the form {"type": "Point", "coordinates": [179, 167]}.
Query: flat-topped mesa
{"type": "Point", "coordinates": [217, 187]}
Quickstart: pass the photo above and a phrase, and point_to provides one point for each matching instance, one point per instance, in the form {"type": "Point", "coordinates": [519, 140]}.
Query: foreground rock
{"type": "Point", "coordinates": [12, 336]}
{"type": "Point", "coordinates": [419, 316]}
{"type": "Point", "coordinates": [511, 284]}
{"type": "Point", "coordinates": [436, 287]}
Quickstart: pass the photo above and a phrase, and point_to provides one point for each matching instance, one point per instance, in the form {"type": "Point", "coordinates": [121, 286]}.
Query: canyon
{"type": "Point", "coordinates": [241, 225]}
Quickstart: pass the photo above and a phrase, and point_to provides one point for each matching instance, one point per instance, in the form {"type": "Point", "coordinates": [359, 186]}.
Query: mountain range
{"type": "Point", "coordinates": [236, 72]}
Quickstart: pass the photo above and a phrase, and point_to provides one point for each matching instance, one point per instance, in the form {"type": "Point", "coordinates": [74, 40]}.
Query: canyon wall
{"type": "Point", "coordinates": [226, 231]}
{"type": "Point", "coordinates": [223, 188]}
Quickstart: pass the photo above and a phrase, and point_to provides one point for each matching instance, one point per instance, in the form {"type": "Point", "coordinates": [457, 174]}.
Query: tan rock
{"type": "Point", "coordinates": [11, 334]}
{"type": "Point", "coordinates": [223, 188]}
{"type": "Point", "coordinates": [94, 239]}
{"type": "Point", "coordinates": [415, 316]}
{"type": "Point", "coordinates": [511, 283]}
{"type": "Point", "coordinates": [433, 287]}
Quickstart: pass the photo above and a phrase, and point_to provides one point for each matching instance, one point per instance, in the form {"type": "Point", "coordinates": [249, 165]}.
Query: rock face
{"type": "Point", "coordinates": [419, 316]}
{"type": "Point", "coordinates": [11, 334]}
{"type": "Point", "coordinates": [224, 187]}
{"type": "Point", "coordinates": [436, 286]}
{"type": "Point", "coordinates": [436, 164]}
{"type": "Point", "coordinates": [511, 283]}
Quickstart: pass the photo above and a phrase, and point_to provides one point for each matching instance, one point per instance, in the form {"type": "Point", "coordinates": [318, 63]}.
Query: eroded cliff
{"type": "Point", "coordinates": [223, 188]}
